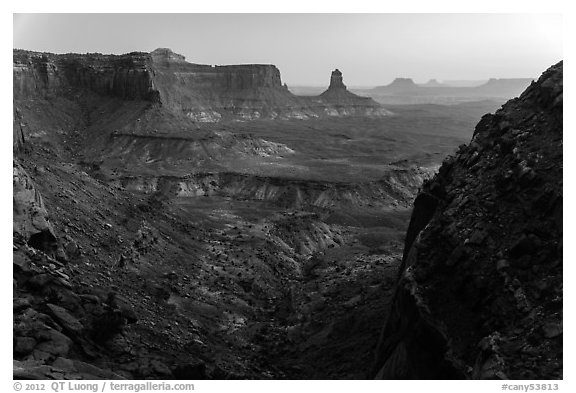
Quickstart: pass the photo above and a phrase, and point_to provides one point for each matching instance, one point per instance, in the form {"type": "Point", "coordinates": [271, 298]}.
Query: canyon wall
{"type": "Point", "coordinates": [125, 76]}
{"type": "Point", "coordinates": [480, 288]}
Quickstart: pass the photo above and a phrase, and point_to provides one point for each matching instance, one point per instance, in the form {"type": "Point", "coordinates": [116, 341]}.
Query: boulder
{"type": "Point", "coordinates": [53, 342]}
{"type": "Point", "coordinates": [67, 321]}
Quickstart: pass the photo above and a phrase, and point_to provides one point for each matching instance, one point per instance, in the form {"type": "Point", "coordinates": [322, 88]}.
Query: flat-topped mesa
{"type": "Point", "coordinates": [249, 76]}
{"type": "Point", "coordinates": [336, 80]}
{"type": "Point", "coordinates": [205, 77]}
{"type": "Point", "coordinates": [403, 84]}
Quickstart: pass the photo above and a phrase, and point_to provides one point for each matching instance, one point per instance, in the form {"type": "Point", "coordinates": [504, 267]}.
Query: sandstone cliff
{"type": "Point", "coordinates": [125, 76]}
{"type": "Point", "coordinates": [480, 289]}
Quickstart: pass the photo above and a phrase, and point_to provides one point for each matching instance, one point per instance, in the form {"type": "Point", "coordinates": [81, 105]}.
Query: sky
{"type": "Point", "coordinates": [369, 49]}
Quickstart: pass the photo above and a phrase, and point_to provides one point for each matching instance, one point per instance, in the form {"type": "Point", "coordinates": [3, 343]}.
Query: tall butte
{"type": "Point", "coordinates": [343, 102]}
{"type": "Point", "coordinates": [336, 80]}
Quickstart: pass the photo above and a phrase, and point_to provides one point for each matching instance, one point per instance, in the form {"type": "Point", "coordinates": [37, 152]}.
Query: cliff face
{"type": "Point", "coordinates": [336, 81]}
{"type": "Point", "coordinates": [480, 288]}
{"type": "Point", "coordinates": [210, 94]}
{"type": "Point", "coordinates": [31, 220]}
{"type": "Point", "coordinates": [203, 93]}
{"type": "Point", "coordinates": [126, 76]}
{"type": "Point", "coordinates": [215, 78]}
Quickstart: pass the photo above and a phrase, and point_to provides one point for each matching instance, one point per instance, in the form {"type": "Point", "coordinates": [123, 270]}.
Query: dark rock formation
{"type": "Point", "coordinates": [336, 80]}
{"type": "Point", "coordinates": [480, 290]}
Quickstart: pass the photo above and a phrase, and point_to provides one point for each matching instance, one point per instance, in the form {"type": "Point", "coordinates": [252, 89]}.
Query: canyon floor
{"type": "Point", "coordinates": [274, 255]}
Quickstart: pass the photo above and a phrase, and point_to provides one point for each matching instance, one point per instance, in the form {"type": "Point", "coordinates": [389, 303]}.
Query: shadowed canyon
{"type": "Point", "coordinates": [175, 220]}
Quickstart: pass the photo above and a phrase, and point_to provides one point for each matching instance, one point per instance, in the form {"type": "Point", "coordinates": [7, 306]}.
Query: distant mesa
{"type": "Point", "coordinates": [403, 84]}
{"type": "Point", "coordinates": [506, 83]}
{"type": "Point", "coordinates": [432, 83]}
{"type": "Point", "coordinates": [432, 90]}
{"type": "Point", "coordinates": [398, 86]}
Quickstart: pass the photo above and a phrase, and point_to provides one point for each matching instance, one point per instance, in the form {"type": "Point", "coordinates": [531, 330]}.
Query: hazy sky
{"type": "Point", "coordinates": [370, 49]}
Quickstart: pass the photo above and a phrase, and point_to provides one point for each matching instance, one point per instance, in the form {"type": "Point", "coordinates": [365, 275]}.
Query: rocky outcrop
{"type": "Point", "coordinates": [60, 329]}
{"type": "Point", "coordinates": [18, 138]}
{"type": "Point", "coordinates": [480, 288]}
{"type": "Point", "coordinates": [30, 218]}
